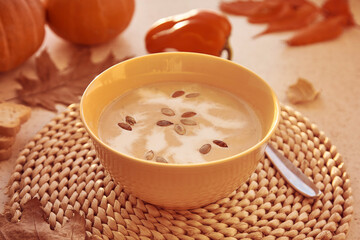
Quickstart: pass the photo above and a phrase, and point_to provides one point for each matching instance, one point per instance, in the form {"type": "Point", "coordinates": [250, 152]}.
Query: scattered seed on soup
{"type": "Point", "coordinates": [164, 123]}
{"type": "Point", "coordinates": [149, 155]}
{"type": "Point", "coordinates": [205, 148]}
{"type": "Point", "coordinates": [188, 122]}
{"type": "Point", "coordinates": [167, 112]}
{"type": "Point", "coordinates": [192, 95]}
{"type": "Point", "coordinates": [179, 129]}
{"type": "Point", "coordinates": [178, 93]}
{"type": "Point", "coordinates": [220, 143]}
{"type": "Point", "coordinates": [188, 114]}
{"type": "Point", "coordinates": [125, 126]}
{"type": "Point", "coordinates": [161, 159]}
{"type": "Point", "coordinates": [130, 120]}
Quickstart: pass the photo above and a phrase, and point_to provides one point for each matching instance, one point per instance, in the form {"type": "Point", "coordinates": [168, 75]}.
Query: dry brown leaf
{"type": "Point", "coordinates": [333, 8]}
{"type": "Point", "coordinates": [243, 8]}
{"type": "Point", "coordinates": [337, 17]}
{"type": "Point", "coordinates": [322, 31]}
{"type": "Point", "coordinates": [268, 11]}
{"type": "Point", "coordinates": [292, 18]}
{"type": "Point", "coordinates": [32, 226]}
{"type": "Point", "coordinates": [54, 86]}
{"type": "Point", "coordinates": [314, 24]}
{"type": "Point", "coordinates": [302, 91]}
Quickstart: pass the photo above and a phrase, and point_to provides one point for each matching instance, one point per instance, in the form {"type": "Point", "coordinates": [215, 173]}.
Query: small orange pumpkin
{"type": "Point", "coordinates": [89, 22]}
{"type": "Point", "coordinates": [22, 31]}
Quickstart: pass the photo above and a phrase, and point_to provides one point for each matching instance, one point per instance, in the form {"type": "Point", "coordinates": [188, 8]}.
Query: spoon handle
{"type": "Point", "coordinates": [298, 180]}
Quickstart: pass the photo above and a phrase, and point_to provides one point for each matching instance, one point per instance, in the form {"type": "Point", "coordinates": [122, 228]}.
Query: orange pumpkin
{"type": "Point", "coordinates": [22, 30]}
{"type": "Point", "coordinates": [89, 22]}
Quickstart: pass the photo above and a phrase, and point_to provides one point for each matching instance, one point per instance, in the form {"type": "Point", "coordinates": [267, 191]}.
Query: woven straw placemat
{"type": "Point", "coordinates": [59, 166]}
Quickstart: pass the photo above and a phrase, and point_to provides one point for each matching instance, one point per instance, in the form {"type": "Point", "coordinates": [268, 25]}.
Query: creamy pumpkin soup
{"type": "Point", "coordinates": [179, 122]}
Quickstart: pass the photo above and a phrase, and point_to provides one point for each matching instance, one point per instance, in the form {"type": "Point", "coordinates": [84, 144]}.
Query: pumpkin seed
{"type": "Point", "coordinates": [179, 129]}
{"type": "Point", "coordinates": [130, 120]}
{"type": "Point", "coordinates": [192, 95]}
{"type": "Point", "coordinates": [178, 93]}
{"type": "Point", "coordinates": [149, 155]}
{"type": "Point", "coordinates": [188, 122]}
{"type": "Point", "coordinates": [188, 114]}
{"type": "Point", "coordinates": [164, 123]}
{"type": "Point", "coordinates": [161, 159]}
{"type": "Point", "coordinates": [125, 126]}
{"type": "Point", "coordinates": [220, 143]}
{"type": "Point", "coordinates": [205, 148]}
{"type": "Point", "coordinates": [167, 112]}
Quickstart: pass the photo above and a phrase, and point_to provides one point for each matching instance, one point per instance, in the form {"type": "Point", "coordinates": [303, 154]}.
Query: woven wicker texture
{"type": "Point", "coordinates": [59, 166]}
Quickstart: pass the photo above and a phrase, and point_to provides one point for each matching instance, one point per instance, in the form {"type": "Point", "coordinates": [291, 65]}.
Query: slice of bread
{"type": "Point", "coordinates": [12, 115]}
{"type": "Point", "coordinates": [6, 141]}
{"type": "Point", "coordinates": [5, 153]}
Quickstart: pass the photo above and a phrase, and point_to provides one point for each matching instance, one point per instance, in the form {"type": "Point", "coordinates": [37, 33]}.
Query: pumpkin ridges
{"type": "Point", "coordinates": [94, 21]}
{"type": "Point", "coordinates": [102, 19]}
{"type": "Point", "coordinates": [31, 43]}
{"type": "Point", "coordinates": [127, 5]}
{"type": "Point", "coordinates": [38, 16]}
{"type": "Point", "coordinates": [55, 14]}
{"type": "Point", "coordinates": [22, 35]}
{"type": "Point", "coordinates": [4, 46]}
{"type": "Point", "coordinates": [107, 27]}
{"type": "Point", "coordinates": [35, 34]}
{"type": "Point", "coordinates": [72, 12]}
{"type": "Point", "coordinates": [122, 11]}
{"type": "Point", "coordinates": [14, 28]}
{"type": "Point", "coordinates": [93, 31]}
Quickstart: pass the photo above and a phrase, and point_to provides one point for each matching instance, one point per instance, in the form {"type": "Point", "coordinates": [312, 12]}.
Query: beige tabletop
{"type": "Point", "coordinates": [332, 67]}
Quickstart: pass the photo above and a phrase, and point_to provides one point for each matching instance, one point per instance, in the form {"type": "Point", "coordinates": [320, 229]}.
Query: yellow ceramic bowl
{"type": "Point", "coordinates": [173, 185]}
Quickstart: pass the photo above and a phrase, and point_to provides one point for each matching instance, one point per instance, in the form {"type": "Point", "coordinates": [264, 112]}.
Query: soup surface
{"type": "Point", "coordinates": [178, 122]}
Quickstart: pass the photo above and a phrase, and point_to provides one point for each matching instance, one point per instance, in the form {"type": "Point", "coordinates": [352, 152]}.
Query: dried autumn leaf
{"type": "Point", "coordinates": [268, 11]}
{"type": "Point", "coordinates": [284, 15]}
{"type": "Point", "coordinates": [337, 17]}
{"type": "Point", "coordinates": [293, 18]}
{"type": "Point", "coordinates": [332, 8]}
{"type": "Point", "coordinates": [244, 8]}
{"type": "Point", "coordinates": [54, 86]}
{"type": "Point", "coordinates": [302, 91]}
{"type": "Point", "coordinates": [49, 76]}
{"type": "Point", "coordinates": [324, 30]}
{"type": "Point", "coordinates": [259, 11]}
{"type": "Point", "coordinates": [32, 226]}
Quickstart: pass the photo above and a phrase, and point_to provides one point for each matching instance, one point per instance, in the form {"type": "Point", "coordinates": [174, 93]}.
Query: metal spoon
{"type": "Point", "coordinates": [298, 180]}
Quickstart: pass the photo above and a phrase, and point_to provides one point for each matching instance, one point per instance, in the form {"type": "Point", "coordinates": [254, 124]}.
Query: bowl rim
{"type": "Point", "coordinates": [263, 140]}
